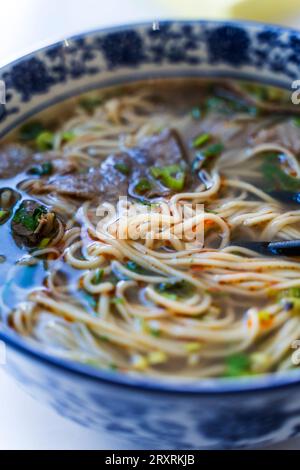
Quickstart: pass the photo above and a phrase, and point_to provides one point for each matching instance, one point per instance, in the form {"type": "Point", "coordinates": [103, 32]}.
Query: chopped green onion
{"type": "Point", "coordinates": [31, 131]}
{"type": "Point", "coordinates": [29, 221]}
{"type": "Point", "coordinates": [44, 141]}
{"type": "Point", "coordinates": [202, 157]}
{"type": "Point", "coordinates": [291, 292]}
{"type": "Point", "coordinates": [201, 140]}
{"type": "Point", "coordinates": [142, 186]}
{"type": "Point", "coordinates": [275, 177]}
{"type": "Point", "coordinates": [171, 176]}
{"type": "Point", "coordinates": [122, 168]}
{"type": "Point", "coordinates": [213, 150]}
{"type": "Point", "coordinates": [264, 315]}
{"type": "Point", "coordinates": [98, 276]}
{"type": "Point", "coordinates": [136, 268]}
{"type": "Point", "coordinates": [296, 121]}
{"type": "Point", "coordinates": [192, 347]}
{"type": "Point", "coordinates": [237, 365]}
{"type": "Point", "coordinates": [44, 169]}
{"type": "Point", "coordinates": [4, 216]}
{"type": "Point", "coordinates": [229, 104]}
{"type": "Point", "coordinates": [44, 243]}
{"type": "Point", "coordinates": [67, 136]}
{"type": "Point", "coordinates": [154, 332]}
{"type": "Point", "coordinates": [118, 300]}
{"type": "Point", "coordinates": [175, 290]}
{"type": "Point", "coordinates": [104, 338]}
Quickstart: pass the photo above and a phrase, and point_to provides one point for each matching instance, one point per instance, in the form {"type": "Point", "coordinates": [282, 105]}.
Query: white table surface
{"type": "Point", "coordinates": [26, 25]}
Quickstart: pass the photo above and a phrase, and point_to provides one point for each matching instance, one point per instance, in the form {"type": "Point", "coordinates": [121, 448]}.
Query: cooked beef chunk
{"type": "Point", "coordinates": [164, 149]}
{"type": "Point", "coordinates": [83, 186]}
{"type": "Point", "coordinates": [106, 179]}
{"type": "Point", "coordinates": [33, 222]}
{"type": "Point", "coordinates": [112, 178]}
{"type": "Point", "coordinates": [13, 160]}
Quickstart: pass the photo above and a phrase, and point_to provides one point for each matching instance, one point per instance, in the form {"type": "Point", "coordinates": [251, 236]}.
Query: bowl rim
{"type": "Point", "coordinates": [207, 386]}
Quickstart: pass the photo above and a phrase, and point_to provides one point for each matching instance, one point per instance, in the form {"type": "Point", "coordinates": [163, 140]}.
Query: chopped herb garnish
{"type": "Point", "coordinates": [175, 290]}
{"type": "Point", "coordinates": [203, 157]}
{"type": "Point", "coordinates": [296, 121]}
{"type": "Point", "coordinates": [117, 300]}
{"type": "Point", "coordinates": [171, 176]}
{"type": "Point", "coordinates": [142, 186]}
{"type": "Point", "coordinates": [4, 215]}
{"type": "Point", "coordinates": [30, 131]}
{"type": "Point", "coordinates": [275, 176]}
{"type": "Point", "coordinates": [44, 243]}
{"type": "Point", "coordinates": [154, 332]}
{"type": "Point", "coordinates": [44, 169]}
{"type": "Point", "coordinates": [122, 168]}
{"type": "Point", "coordinates": [27, 219]}
{"type": "Point", "coordinates": [237, 365]}
{"type": "Point", "coordinates": [136, 268]}
{"type": "Point", "coordinates": [192, 347]}
{"type": "Point", "coordinates": [98, 276]}
{"type": "Point", "coordinates": [228, 104]}
{"type": "Point", "coordinates": [264, 316]}
{"type": "Point", "coordinates": [104, 338]}
{"type": "Point", "coordinates": [201, 140]}
{"type": "Point", "coordinates": [213, 150]}
{"type": "Point", "coordinates": [291, 292]}
{"type": "Point", "coordinates": [68, 136]}
{"type": "Point", "coordinates": [44, 141]}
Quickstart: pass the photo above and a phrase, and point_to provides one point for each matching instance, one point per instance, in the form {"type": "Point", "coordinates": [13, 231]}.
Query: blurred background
{"type": "Point", "coordinates": [30, 24]}
{"type": "Point", "coordinates": [27, 24]}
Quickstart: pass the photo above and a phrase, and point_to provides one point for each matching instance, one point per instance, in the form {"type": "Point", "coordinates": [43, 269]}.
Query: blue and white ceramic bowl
{"type": "Point", "coordinates": [220, 413]}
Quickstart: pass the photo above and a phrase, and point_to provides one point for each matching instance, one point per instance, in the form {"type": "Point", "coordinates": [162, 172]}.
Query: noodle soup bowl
{"type": "Point", "coordinates": [136, 410]}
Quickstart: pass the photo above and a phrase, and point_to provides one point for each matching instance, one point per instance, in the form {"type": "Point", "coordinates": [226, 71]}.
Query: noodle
{"type": "Point", "coordinates": [139, 292]}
